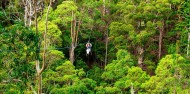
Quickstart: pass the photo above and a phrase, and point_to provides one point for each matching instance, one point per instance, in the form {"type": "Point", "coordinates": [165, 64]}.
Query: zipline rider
{"type": "Point", "coordinates": [88, 47]}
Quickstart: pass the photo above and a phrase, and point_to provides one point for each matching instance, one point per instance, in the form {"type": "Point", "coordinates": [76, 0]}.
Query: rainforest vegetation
{"type": "Point", "coordinates": [138, 47]}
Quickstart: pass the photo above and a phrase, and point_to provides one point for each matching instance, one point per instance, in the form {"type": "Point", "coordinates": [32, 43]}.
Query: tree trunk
{"type": "Point", "coordinates": [72, 53]}
{"type": "Point", "coordinates": [104, 8]}
{"type": "Point", "coordinates": [75, 28]}
{"type": "Point", "coordinates": [72, 48]}
{"type": "Point", "coordinates": [140, 56]}
{"type": "Point", "coordinates": [106, 55]}
{"type": "Point", "coordinates": [160, 42]}
{"type": "Point", "coordinates": [38, 69]}
{"type": "Point", "coordinates": [39, 77]}
{"type": "Point", "coordinates": [188, 44]}
{"type": "Point", "coordinates": [30, 8]}
{"type": "Point", "coordinates": [132, 89]}
{"type": "Point", "coordinates": [39, 83]}
{"type": "Point", "coordinates": [140, 60]}
{"type": "Point", "coordinates": [30, 13]}
{"type": "Point", "coordinates": [25, 12]}
{"type": "Point", "coordinates": [106, 40]}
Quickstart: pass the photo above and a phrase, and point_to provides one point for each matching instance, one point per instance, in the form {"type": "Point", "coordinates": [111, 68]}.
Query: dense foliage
{"type": "Point", "coordinates": [138, 46]}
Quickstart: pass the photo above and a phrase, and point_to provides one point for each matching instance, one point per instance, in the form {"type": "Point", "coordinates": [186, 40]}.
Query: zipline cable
{"type": "Point", "coordinates": [59, 48]}
{"type": "Point", "coordinates": [90, 36]}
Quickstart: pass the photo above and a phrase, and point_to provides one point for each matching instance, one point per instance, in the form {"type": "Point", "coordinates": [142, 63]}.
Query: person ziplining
{"type": "Point", "coordinates": [88, 48]}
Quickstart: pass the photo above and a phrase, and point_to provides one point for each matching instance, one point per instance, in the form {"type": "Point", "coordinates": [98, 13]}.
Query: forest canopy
{"type": "Point", "coordinates": [94, 46]}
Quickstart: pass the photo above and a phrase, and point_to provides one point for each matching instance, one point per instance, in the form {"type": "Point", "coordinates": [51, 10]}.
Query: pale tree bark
{"type": "Point", "coordinates": [26, 12]}
{"type": "Point", "coordinates": [188, 44]}
{"type": "Point", "coordinates": [132, 89]}
{"type": "Point", "coordinates": [75, 28]}
{"type": "Point", "coordinates": [30, 8]}
{"type": "Point", "coordinates": [29, 12]}
{"type": "Point", "coordinates": [36, 20]}
{"type": "Point", "coordinates": [140, 56]}
{"type": "Point", "coordinates": [38, 69]}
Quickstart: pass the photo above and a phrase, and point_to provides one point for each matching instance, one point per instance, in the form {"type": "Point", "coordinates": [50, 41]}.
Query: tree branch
{"type": "Point", "coordinates": [45, 34]}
